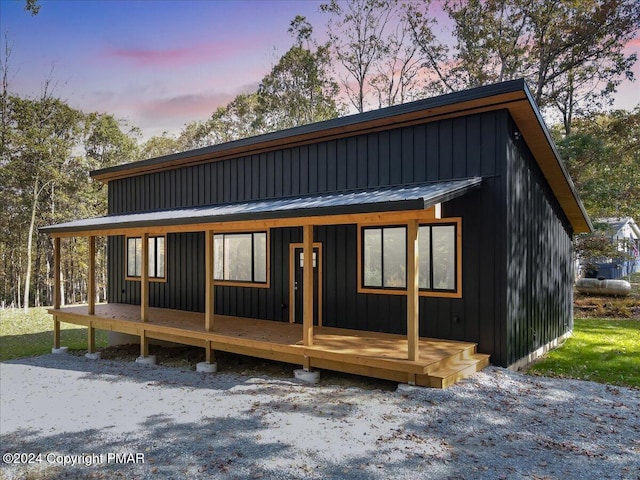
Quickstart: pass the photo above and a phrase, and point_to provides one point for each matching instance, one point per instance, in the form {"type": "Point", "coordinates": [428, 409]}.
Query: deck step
{"type": "Point", "coordinates": [452, 360]}
{"type": "Point", "coordinates": [454, 371]}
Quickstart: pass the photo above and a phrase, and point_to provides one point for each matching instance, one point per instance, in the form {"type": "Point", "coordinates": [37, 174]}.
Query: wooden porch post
{"type": "Point", "coordinates": [209, 287]}
{"type": "Point", "coordinates": [91, 295]}
{"type": "Point", "coordinates": [56, 291]}
{"type": "Point", "coordinates": [91, 290]}
{"type": "Point", "coordinates": [307, 289]}
{"type": "Point", "coordinates": [209, 353]}
{"type": "Point", "coordinates": [144, 279]}
{"type": "Point", "coordinates": [144, 344]}
{"type": "Point", "coordinates": [413, 305]}
{"type": "Point", "coordinates": [91, 340]}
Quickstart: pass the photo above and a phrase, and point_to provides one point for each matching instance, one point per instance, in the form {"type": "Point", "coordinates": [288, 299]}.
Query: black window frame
{"type": "Point", "coordinates": [455, 256]}
{"type": "Point", "coordinates": [152, 275]}
{"type": "Point", "coordinates": [253, 281]}
{"type": "Point", "coordinates": [363, 285]}
{"type": "Point", "coordinates": [455, 292]}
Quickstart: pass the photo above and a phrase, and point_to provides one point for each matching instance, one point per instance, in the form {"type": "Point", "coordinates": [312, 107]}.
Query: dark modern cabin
{"type": "Point", "coordinates": [447, 219]}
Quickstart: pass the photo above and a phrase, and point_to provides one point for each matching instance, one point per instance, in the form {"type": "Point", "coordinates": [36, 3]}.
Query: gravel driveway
{"type": "Point", "coordinates": [116, 415]}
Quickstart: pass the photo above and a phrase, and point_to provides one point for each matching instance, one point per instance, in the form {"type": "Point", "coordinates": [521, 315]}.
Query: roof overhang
{"type": "Point", "coordinates": [335, 207]}
{"type": "Point", "coordinates": [513, 96]}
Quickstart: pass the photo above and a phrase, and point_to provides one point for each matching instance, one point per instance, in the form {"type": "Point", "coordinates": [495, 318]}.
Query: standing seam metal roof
{"type": "Point", "coordinates": [403, 197]}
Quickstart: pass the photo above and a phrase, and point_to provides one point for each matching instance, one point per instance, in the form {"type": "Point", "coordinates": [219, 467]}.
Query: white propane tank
{"type": "Point", "coordinates": [605, 287]}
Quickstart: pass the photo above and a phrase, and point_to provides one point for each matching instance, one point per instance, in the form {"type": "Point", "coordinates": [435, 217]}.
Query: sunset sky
{"type": "Point", "coordinates": [160, 64]}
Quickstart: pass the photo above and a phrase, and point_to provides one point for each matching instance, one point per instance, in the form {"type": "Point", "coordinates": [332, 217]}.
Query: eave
{"type": "Point", "coordinates": [513, 96]}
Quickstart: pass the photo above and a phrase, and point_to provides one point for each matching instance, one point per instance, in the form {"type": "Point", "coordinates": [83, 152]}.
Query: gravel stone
{"type": "Point", "coordinates": [496, 424]}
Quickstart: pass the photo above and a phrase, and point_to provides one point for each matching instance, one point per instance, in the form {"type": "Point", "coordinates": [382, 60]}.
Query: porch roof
{"type": "Point", "coordinates": [418, 196]}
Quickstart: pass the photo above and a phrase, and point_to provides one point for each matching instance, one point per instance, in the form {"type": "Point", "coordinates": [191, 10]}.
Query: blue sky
{"type": "Point", "coordinates": [159, 64]}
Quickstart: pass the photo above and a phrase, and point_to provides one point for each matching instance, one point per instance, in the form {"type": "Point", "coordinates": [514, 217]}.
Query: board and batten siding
{"type": "Point", "coordinates": [475, 145]}
{"type": "Point", "coordinates": [453, 148]}
{"type": "Point", "coordinates": [185, 278]}
{"type": "Point", "coordinates": [539, 266]}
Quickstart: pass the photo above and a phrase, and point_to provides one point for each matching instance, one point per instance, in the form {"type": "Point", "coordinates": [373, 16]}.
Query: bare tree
{"type": "Point", "coordinates": [356, 30]}
{"type": "Point", "coordinates": [399, 73]}
{"type": "Point", "coordinates": [570, 53]}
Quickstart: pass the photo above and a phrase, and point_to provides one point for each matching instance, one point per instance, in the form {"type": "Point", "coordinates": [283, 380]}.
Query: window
{"type": "Point", "coordinates": [156, 257]}
{"type": "Point", "coordinates": [383, 259]}
{"type": "Point", "coordinates": [437, 263]}
{"type": "Point", "coordinates": [240, 257]}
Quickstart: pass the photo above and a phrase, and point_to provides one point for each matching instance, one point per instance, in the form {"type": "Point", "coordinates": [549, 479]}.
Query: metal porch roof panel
{"type": "Point", "coordinates": [393, 198]}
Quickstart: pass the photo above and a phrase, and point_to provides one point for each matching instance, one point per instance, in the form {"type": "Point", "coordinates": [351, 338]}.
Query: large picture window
{"type": "Point", "coordinates": [156, 258]}
{"type": "Point", "coordinates": [241, 257]}
{"type": "Point", "coordinates": [383, 259]}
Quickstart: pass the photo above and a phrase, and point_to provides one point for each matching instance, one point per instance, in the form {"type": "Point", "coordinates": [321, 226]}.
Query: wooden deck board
{"type": "Point", "coordinates": [373, 354]}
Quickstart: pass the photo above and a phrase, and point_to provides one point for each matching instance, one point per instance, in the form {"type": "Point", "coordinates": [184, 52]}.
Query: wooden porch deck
{"type": "Point", "coordinates": [440, 362]}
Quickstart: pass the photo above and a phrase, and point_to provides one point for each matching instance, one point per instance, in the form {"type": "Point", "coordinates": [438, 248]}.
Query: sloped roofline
{"type": "Point", "coordinates": [513, 95]}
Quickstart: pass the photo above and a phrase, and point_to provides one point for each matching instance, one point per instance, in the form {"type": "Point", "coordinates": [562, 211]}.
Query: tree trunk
{"type": "Point", "coordinates": [37, 273]}
{"type": "Point", "coordinates": [17, 297]}
{"type": "Point", "coordinates": [568, 116]}
{"type": "Point", "coordinates": [32, 224]}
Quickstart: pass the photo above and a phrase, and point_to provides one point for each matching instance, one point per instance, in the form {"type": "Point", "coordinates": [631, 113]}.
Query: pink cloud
{"type": "Point", "coordinates": [185, 106]}
{"type": "Point", "coordinates": [173, 57]}
{"type": "Point", "coordinates": [633, 43]}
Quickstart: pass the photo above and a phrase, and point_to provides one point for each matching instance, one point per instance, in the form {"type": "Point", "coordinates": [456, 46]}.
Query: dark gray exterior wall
{"type": "Point", "coordinates": [476, 145]}
{"type": "Point", "coordinates": [442, 150]}
{"type": "Point", "coordinates": [539, 268]}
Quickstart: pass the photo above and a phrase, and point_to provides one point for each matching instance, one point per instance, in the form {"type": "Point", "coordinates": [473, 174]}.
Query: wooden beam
{"type": "Point", "coordinates": [56, 291]}
{"type": "Point", "coordinates": [209, 286]}
{"type": "Point", "coordinates": [91, 289]}
{"type": "Point", "coordinates": [307, 281]}
{"type": "Point", "coordinates": [379, 218]}
{"type": "Point", "coordinates": [91, 340]}
{"type": "Point", "coordinates": [144, 344]}
{"type": "Point", "coordinates": [169, 337]}
{"type": "Point", "coordinates": [319, 288]}
{"type": "Point", "coordinates": [56, 273]}
{"type": "Point", "coordinates": [413, 292]}
{"type": "Point", "coordinates": [144, 279]}
{"type": "Point", "coordinates": [56, 332]}
{"type": "Point", "coordinates": [209, 353]}
{"type": "Point", "coordinates": [292, 282]}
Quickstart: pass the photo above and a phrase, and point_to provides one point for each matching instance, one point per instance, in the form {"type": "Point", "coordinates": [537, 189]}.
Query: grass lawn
{"type": "Point", "coordinates": [601, 349]}
{"type": "Point", "coordinates": [29, 334]}
{"type": "Point", "coordinates": [605, 350]}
